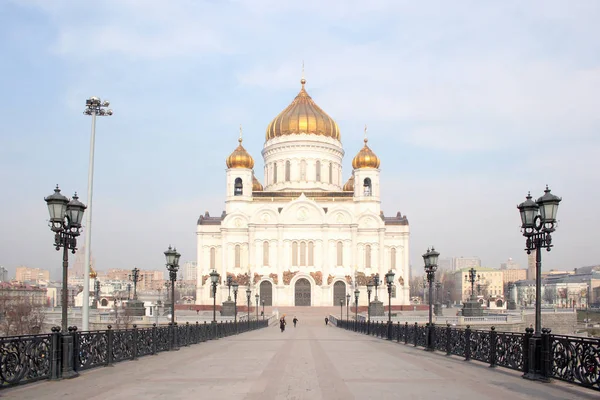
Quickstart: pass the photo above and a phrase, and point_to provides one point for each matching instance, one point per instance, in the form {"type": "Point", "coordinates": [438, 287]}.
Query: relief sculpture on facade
{"type": "Point", "coordinates": [330, 279]}
{"type": "Point", "coordinates": [361, 279]}
{"type": "Point", "coordinates": [401, 281]}
{"type": "Point", "coordinates": [318, 277]}
{"type": "Point", "coordinates": [256, 278]}
{"type": "Point", "coordinates": [275, 278]}
{"type": "Point", "coordinates": [204, 278]}
{"type": "Point", "coordinates": [348, 279]}
{"type": "Point", "coordinates": [287, 276]}
{"type": "Point", "coordinates": [243, 279]}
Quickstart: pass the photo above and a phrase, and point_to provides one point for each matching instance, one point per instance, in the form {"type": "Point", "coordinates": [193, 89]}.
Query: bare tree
{"type": "Point", "coordinates": [20, 317]}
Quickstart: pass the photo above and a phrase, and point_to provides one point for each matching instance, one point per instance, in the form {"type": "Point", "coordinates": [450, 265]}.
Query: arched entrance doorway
{"type": "Point", "coordinates": [339, 293]}
{"type": "Point", "coordinates": [302, 292]}
{"type": "Point", "coordinates": [266, 293]}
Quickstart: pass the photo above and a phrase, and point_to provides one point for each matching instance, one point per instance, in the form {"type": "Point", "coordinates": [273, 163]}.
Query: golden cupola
{"type": "Point", "coordinates": [365, 158]}
{"type": "Point", "coordinates": [256, 186]}
{"type": "Point", "coordinates": [240, 158]}
{"type": "Point", "coordinates": [349, 186]}
{"type": "Point", "coordinates": [303, 116]}
{"type": "Point", "coordinates": [93, 273]}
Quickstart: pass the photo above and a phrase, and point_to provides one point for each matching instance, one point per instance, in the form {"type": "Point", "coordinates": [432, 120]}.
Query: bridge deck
{"type": "Point", "coordinates": [308, 362]}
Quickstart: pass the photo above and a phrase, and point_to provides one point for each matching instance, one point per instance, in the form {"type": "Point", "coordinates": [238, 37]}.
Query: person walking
{"type": "Point", "coordinates": [282, 324]}
{"type": "Point", "coordinates": [295, 320]}
{"type": "Point", "coordinates": [326, 320]}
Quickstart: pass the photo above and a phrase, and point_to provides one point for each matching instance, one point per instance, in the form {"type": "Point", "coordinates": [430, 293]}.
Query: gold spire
{"type": "Point", "coordinates": [240, 157]}
{"type": "Point", "coordinates": [303, 116]}
{"type": "Point", "coordinates": [365, 157]}
{"type": "Point", "coordinates": [93, 273]}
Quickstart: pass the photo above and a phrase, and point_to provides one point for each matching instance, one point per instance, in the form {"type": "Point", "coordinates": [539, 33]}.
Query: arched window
{"type": "Point", "coordinates": [212, 257]}
{"type": "Point", "coordinates": [311, 254]}
{"type": "Point", "coordinates": [318, 171]}
{"type": "Point", "coordinates": [303, 170]}
{"type": "Point", "coordinates": [367, 187]}
{"type": "Point", "coordinates": [340, 253]}
{"type": "Point", "coordinates": [303, 254]}
{"type": "Point", "coordinates": [393, 258]}
{"type": "Point", "coordinates": [367, 256]}
{"type": "Point", "coordinates": [294, 253]}
{"type": "Point", "coordinates": [266, 253]}
{"type": "Point", "coordinates": [237, 256]}
{"type": "Point", "coordinates": [274, 172]}
{"type": "Point", "coordinates": [238, 187]}
{"type": "Point", "coordinates": [104, 302]}
{"type": "Point", "coordinates": [330, 173]}
{"type": "Point", "coordinates": [287, 171]}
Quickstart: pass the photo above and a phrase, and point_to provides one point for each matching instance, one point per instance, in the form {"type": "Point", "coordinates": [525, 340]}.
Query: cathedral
{"type": "Point", "coordinates": [303, 237]}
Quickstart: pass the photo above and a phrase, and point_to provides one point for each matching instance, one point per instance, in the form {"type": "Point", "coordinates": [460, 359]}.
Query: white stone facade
{"type": "Point", "coordinates": [303, 240]}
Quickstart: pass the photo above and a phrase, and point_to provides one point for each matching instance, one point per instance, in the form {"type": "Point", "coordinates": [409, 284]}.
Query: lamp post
{"type": "Point", "coordinates": [389, 279]}
{"type": "Point", "coordinates": [356, 293]}
{"type": "Point", "coordinates": [430, 258]}
{"type": "Point", "coordinates": [257, 297]}
{"type": "Point", "coordinates": [135, 277]}
{"type": "Point", "coordinates": [369, 289]}
{"type": "Point", "coordinates": [438, 300]}
{"type": "Point", "coordinates": [214, 280]}
{"type": "Point", "coordinates": [376, 283]}
{"type": "Point", "coordinates": [94, 107]}
{"type": "Point", "coordinates": [172, 257]}
{"type": "Point", "coordinates": [263, 310]}
{"type": "Point", "coordinates": [229, 283]}
{"type": "Point", "coordinates": [129, 291]}
{"type": "Point", "coordinates": [538, 222]}
{"type": "Point", "coordinates": [347, 305]}
{"type": "Point", "coordinates": [235, 292]}
{"type": "Point", "coordinates": [341, 310]}
{"type": "Point", "coordinates": [65, 222]}
{"type": "Point", "coordinates": [248, 293]}
{"type": "Point", "coordinates": [472, 277]}
{"type": "Point", "coordinates": [97, 292]}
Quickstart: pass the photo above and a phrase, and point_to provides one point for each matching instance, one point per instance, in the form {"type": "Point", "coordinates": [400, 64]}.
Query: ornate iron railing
{"type": "Point", "coordinates": [568, 358]}
{"type": "Point", "coordinates": [25, 359]}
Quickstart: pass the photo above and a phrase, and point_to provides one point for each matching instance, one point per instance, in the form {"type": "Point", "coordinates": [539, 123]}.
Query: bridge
{"type": "Point", "coordinates": [311, 361]}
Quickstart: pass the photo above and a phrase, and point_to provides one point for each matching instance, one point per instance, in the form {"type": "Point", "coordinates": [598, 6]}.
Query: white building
{"type": "Point", "coordinates": [190, 271]}
{"type": "Point", "coordinates": [466, 262]}
{"type": "Point", "coordinates": [305, 239]}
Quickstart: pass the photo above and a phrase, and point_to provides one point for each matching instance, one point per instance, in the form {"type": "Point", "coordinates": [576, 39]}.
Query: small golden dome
{"type": "Point", "coordinates": [303, 116]}
{"type": "Point", "coordinates": [365, 158]}
{"type": "Point", "coordinates": [256, 186]}
{"type": "Point", "coordinates": [240, 158]}
{"type": "Point", "coordinates": [93, 273]}
{"type": "Point", "coordinates": [349, 186]}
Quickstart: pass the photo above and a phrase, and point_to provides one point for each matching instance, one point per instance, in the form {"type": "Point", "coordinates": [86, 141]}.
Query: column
{"type": "Point", "coordinates": [325, 262]}
{"type": "Point", "coordinates": [354, 250]}
{"type": "Point", "coordinates": [251, 251]}
{"type": "Point", "coordinates": [280, 261]}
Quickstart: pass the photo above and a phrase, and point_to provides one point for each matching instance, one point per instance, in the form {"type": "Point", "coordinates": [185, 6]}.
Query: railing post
{"type": "Point", "coordinates": [154, 338]}
{"type": "Point", "coordinates": [406, 332]}
{"type": "Point", "coordinates": [416, 335]}
{"type": "Point", "coordinates": [546, 367]}
{"type": "Point", "coordinates": [398, 331]}
{"type": "Point", "coordinates": [175, 336]}
{"type": "Point", "coordinates": [187, 334]}
{"type": "Point", "coordinates": [448, 340]}
{"type": "Point", "coordinates": [468, 343]}
{"type": "Point", "coordinates": [526, 358]}
{"type": "Point", "coordinates": [134, 336]}
{"type": "Point", "coordinates": [493, 346]}
{"type": "Point", "coordinates": [67, 354]}
{"type": "Point", "coordinates": [56, 352]}
{"type": "Point", "coordinates": [109, 347]}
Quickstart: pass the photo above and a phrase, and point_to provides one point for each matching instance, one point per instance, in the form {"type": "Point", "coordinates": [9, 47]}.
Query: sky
{"type": "Point", "coordinates": [470, 104]}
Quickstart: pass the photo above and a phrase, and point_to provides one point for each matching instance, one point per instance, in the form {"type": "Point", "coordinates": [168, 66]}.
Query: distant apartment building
{"type": "Point", "coordinates": [32, 275]}
{"type": "Point", "coordinates": [3, 274]}
{"type": "Point", "coordinates": [13, 293]}
{"type": "Point", "coordinates": [513, 275]}
{"type": "Point", "coordinates": [190, 269]}
{"type": "Point", "coordinates": [489, 282]}
{"type": "Point", "coordinates": [466, 262]}
{"type": "Point", "coordinates": [509, 264]}
{"type": "Point", "coordinates": [147, 279]}
{"type": "Point", "coordinates": [446, 264]}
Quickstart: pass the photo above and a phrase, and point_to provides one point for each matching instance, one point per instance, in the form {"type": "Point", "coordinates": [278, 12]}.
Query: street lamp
{"type": "Point", "coordinates": [229, 282]}
{"type": "Point", "coordinates": [369, 289]}
{"type": "Point", "coordinates": [94, 107]}
{"type": "Point", "coordinates": [235, 292]}
{"type": "Point", "coordinates": [430, 258]}
{"type": "Point", "coordinates": [256, 296]}
{"type": "Point", "coordinates": [172, 257]}
{"type": "Point", "coordinates": [347, 304]}
{"type": "Point", "coordinates": [438, 305]}
{"type": "Point", "coordinates": [248, 293]}
{"type": "Point", "coordinates": [129, 291]}
{"type": "Point", "coordinates": [65, 222]}
{"type": "Point", "coordinates": [341, 310]}
{"type": "Point", "coordinates": [376, 283]}
{"type": "Point", "coordinates": [389, 279]}
{"type": "Point", "coordinates": [263, 310]}
{"type": "Point", "coordinates": [538, 222]}
{"type": "Point", "coordinates": [214, 280]}
{"type": "Point", "coordinates": [135, 277]}
{"type": "Point", "coordinates": [356, 293]}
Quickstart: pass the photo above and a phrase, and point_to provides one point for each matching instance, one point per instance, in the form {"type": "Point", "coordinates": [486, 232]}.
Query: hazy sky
{"type": "Point", "coordinates": [469, 104]}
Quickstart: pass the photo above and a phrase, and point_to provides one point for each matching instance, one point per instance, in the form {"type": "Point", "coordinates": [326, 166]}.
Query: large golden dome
{"type": "Point", "coordinates": [240, 158]}
{"type": "Point", "coordinates": [256, 186]}
{"type": "Point", "coordinates": [365, 158]}
{"type": "Point", "coordinates": [303, 116]}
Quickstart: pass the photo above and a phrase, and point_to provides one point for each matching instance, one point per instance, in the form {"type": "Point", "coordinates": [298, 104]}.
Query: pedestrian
{"type": "Point", "coordinates": [295, 320]}
{"type": "Point", "coordinates": [326, 320]}
{"type": "Point", "coordinates": [282, 324]}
